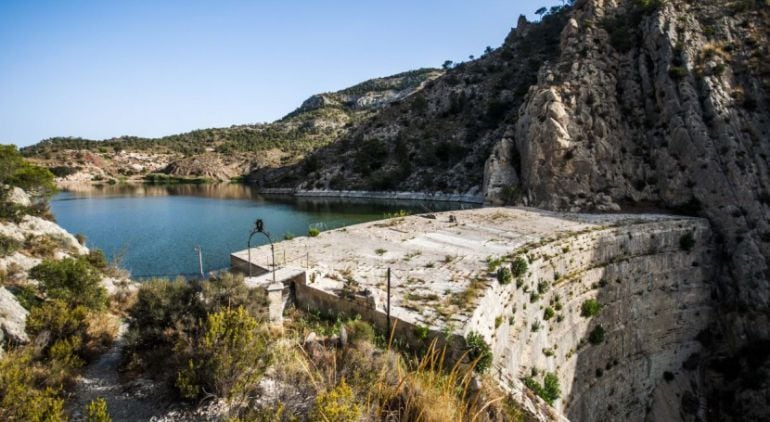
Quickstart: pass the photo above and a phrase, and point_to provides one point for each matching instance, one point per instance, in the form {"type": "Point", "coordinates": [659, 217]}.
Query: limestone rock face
{"type": "Point", "coordinates": [19, 197]}
{"type": "Point", "coordinates": [499, 173]}
{"type": "Point", "coordinates": [13, 319]}
{"type": "Point", "coordinates": [676, 119]}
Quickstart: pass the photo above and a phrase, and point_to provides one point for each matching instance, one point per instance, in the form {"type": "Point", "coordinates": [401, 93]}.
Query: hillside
{"type": "Point", "coordinates": [225, 153]}
{"type": "Point", "coordinates": [440, 138]}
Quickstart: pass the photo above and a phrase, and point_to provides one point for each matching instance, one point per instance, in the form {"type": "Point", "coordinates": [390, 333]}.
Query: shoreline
{"type": "Point", "coordinates": [299, 193]}
{"type": "Point", "coordinates": [389, 195]}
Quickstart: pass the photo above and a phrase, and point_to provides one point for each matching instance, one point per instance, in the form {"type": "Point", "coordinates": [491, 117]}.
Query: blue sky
{"type": "Point", "coordinates": [99, 69]}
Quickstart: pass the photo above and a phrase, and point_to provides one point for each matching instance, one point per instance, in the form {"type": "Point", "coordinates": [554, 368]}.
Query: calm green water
{"type": "Point", "coordinates": [152, 230]}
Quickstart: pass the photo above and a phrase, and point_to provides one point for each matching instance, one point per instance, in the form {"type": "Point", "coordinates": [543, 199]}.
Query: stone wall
{"type": "Point", "coordinates": [329, 303]}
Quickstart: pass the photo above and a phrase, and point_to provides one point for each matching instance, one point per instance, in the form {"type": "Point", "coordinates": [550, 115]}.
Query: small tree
{"type": "Point", "coordinates": [447, 65]}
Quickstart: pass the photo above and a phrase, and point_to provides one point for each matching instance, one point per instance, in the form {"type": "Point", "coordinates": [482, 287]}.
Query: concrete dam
{"type": "Point", "coordinates": [610, 304]}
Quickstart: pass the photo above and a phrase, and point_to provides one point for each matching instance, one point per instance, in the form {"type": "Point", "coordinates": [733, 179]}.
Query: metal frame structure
{"type": "Point", "coordinates": [259, 227]}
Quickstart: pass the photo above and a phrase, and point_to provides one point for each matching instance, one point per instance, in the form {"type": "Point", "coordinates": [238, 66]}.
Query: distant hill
{"type": "Point", "coordinates": [221, 153]}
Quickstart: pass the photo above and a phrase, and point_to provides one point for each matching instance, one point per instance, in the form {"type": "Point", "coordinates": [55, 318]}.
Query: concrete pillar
{"type": "Point", "coordinates": [275, 299]}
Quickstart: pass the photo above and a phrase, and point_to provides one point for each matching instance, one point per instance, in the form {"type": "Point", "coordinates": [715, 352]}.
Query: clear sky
{"type": "Point", "coordinates": [99, 68]}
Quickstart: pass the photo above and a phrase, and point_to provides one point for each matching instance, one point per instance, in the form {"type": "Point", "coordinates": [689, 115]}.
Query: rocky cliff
{"type": "Point", "coordinates": [664, 104]}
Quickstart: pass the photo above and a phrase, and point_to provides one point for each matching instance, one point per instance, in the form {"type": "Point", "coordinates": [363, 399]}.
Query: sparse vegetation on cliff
{"type": "Point", "coordinates": [589, 308]}
{"type": "Point", "coordinates": [549, 390]}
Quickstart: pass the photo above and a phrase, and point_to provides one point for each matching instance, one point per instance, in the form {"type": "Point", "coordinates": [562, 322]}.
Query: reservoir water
{"type": "Point", "coordinates": [152, 230]}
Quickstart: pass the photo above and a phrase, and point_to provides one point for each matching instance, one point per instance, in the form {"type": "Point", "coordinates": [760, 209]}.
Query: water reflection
{"type": "Point", "coordinates": [155, 227]}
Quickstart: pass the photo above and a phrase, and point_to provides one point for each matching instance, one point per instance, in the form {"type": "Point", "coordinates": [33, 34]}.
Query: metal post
{"type": "Point", "coordinates": [388, 309]}
{"type": "Point", "coordinates": [253, 232]}
{"type": "Point", "coordinates": [200, 260]}
{"type": "Point", "coordinates": [272, 249]}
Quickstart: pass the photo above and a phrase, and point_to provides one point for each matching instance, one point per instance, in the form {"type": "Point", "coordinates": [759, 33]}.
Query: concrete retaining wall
{"type": "Point", "coordinates": [655, 300]}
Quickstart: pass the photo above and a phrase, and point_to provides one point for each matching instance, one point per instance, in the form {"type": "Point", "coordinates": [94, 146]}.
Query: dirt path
{"type": "Point", "coordinates": [135, 402]}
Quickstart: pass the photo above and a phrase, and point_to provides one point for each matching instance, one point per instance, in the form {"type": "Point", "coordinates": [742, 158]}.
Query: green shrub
{"type": "Point", "coordinates": [678, 72]}
{"type": "Point", "coordinates": [96, 411]}
{"type": "Point", "coordinates": [421, 332]}
{"type": "Point", "coordinates": [504, 275]}
{"type": "Point", "coordinates": [337, 404]}
{"type": "Point", "coordinates": [548, 313]}
{"type": "Point", "coordinates": [479, 351]}
{"type": "Point", "coordinates": [498, 321]}
{"type": "Point", "coordinates": [60, 321]}
{"type": "Point", "coordinates": [227, 360]}
{"type": "Point", "coordinates": [687, 242]}
{"type": "Point", "coordinates": [519, 267]}
{"type": "Point", "coordinates": [596, 336]}
{"type": "Point", "coordinates": [359, 331]}
{"type": "Point", "coordinates": [26, 296]}
{"type": "Point", "coordinates": [542, 287]}
{"type": "Point", "coordinates": [8, 245]}
{"type": "Point", "coordinates": [21, 396]}
{"type": "Point", "coordinates": [162, 312]}
{"type": "Point", "coordinates": [97, 259]}
{"type": "Point", "coordinates": [493, 263]}
{"type": "Point", "coordinates": [589, 308]}
{"type": "Point", "coordinates": [313, 231]}
{"type": "Point", "coordinates": [548, 391]}
{"type": "Point", "coordinates": [73, 280]}
{"type": "Point", "coordinates": [230, 291]}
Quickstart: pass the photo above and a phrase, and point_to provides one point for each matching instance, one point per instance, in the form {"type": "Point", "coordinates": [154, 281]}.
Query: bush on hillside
{"type": "Point", "coordinates": [337, 404]}
{"type": "Point", "coordinates": [8, 245]}
{"type": "Point", "coordinates": [163, 310]}
{"type": "Point", "coordinates": [23, 396]}
{"type": "Point", "coordinates": [74, 280]}
{"type": "Point", "coordinates": [60, 324]}
{"type": "Point", "coordinates": [479, 352]}
{"type": "Point", "coordinates": [589, 308]}
{"type": "Point", "coordinates": [548, 391]}
{"type": "Point", "coordinates": [519, 267]}
{"type": "Point", "coordinates": [596, 336]}
{"type": "Point", "coordinates": [228, 359]}
{"type": "Point", "coordinates": [230, 291]}
{"type": "Point", "coordinates": [504, 275]}
{"type": "Point", "coordinates": [96, 411]}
